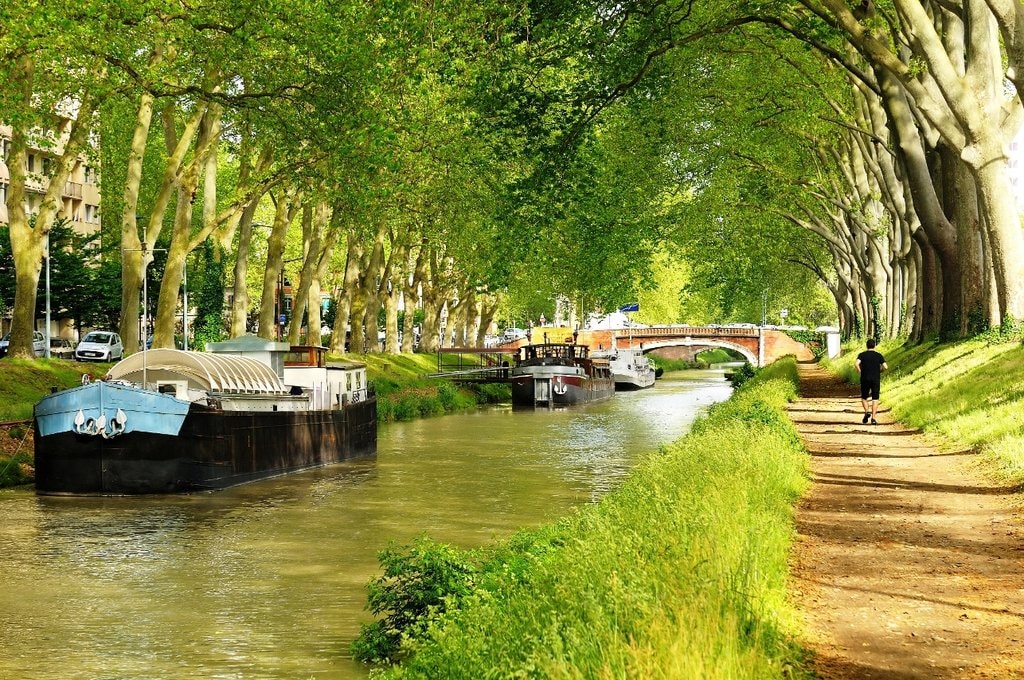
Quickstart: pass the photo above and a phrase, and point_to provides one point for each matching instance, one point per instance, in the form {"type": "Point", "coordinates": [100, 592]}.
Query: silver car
{"type": "Point", "coordinates": [100, 346]}
{"type": "Point", "coordinates": [38, 344]}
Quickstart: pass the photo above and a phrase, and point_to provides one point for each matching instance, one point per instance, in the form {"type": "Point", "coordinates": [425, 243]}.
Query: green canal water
{"type": "Point", "coordinates": [268, 580]}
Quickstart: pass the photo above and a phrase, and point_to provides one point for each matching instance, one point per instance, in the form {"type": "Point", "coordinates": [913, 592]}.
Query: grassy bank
{"type": "Point", "coordinates": [679, 573]}
{"type": "Point", "coordinates": [24, 382]}
{"type": "Point", "coordinates": [970, 394]}
{"type": "Point", "coordinates": [402, 394]}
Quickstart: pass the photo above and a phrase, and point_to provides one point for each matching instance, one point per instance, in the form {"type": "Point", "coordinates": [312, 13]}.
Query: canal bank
{"type": "Point", "coordinates": [269, 579]}
{"type": "Point", "coordinates": [680, 572]}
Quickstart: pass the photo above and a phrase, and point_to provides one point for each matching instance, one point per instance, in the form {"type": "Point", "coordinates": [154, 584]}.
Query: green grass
{"type": "Point", "coordinates": [404, 394]}
{"type": "Point", "coordinates": [23, 382]}
{"type": "Point", "coordinates": [681, 572]}
{"type": "Point", "coordinates": [970, 394]}
{"type": "Point", "coordinates": [26, 381]}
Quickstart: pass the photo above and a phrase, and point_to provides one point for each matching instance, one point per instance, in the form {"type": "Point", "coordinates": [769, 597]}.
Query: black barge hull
{"type": "Point", "coordinates": [214, 449]}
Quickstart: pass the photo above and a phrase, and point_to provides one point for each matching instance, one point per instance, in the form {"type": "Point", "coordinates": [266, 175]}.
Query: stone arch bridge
{"type": "Point", "coordinates": [760, 346]}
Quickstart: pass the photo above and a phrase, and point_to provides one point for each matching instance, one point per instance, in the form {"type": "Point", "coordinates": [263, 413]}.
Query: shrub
{"type": "Point", "coordinates": [17, 469]}
{"type": "Point", "coordinates": [417, 585]}
{"type": "Point", "coordinates": [742, 374]}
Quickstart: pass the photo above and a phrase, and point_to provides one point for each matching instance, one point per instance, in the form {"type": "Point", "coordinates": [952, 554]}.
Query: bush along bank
{"type": "Point", "coordinates": [681, 572]}
{"type": "Point", "coordinates": [404, 394]}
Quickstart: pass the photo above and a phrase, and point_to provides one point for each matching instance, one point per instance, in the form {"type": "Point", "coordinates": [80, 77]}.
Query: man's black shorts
{"type": "Point", "coordinates": [869, 389]}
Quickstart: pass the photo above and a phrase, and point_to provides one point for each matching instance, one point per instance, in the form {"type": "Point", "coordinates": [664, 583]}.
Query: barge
{"type": "Point", "coordinates": [171, 421]}
{"type": "Point", "coordinates": [554, 375]}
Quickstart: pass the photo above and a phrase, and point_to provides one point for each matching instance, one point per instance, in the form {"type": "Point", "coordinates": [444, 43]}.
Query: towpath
{"type": "Point", "coordinates": [909, 563]}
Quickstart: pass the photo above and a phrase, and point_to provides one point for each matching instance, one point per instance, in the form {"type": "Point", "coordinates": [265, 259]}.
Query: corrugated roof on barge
{"type": "Point", "coordinates": [218, 373]}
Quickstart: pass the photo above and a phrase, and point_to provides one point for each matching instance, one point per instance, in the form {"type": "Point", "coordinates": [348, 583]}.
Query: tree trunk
{"type": "Point", "coordinates": [272, 297]}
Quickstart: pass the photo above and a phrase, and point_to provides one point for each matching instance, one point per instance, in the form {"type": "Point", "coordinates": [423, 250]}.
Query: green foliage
{"type": "Point", "coordinates": [209, 329]}
{"type": "Point", "coordinates": [742, 374]}
{"type": "Point", "coordinates": [26, 381]}
{"type": "Point", "coordinates": [17, 469]}
{"type": "Point", "coordinates": [417, 585]}
{"type": "Point", "coordinates": [492, 393]}
{"type": "Point", "coordinates": [209, 301]}
{"type": "Point", "coordinates": [680, 572]}
{"type": "Point", "coordinates": [814, 340]}
{"type": "Point", "coordinates": [718, 355]}
{"type": "Point", "coordinates": [671, 364]}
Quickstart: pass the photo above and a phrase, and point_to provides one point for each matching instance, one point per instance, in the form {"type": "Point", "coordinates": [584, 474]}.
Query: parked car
{"type": "Point", "coordinates": [100, 346]}
{"type": "Point", "coordinates": [513, 334]}
{"type": "Point", "coordinates": [38, 344]}
{"type": "Point", "coordinates": [62, 348]}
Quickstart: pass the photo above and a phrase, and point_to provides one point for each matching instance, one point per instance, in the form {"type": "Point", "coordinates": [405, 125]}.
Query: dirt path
{"type": "Point", "coordinates": [908, 564]}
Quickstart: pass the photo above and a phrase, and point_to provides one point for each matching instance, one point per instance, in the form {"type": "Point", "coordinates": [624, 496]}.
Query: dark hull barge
{"type": "Point", "coordinates": [174, 422]}
{"type": "Point", "coordinates": [555, 375]}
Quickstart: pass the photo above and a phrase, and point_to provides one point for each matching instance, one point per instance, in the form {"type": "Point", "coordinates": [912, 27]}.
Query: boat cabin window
{"type": "Point", "coordinates": [305, 355]}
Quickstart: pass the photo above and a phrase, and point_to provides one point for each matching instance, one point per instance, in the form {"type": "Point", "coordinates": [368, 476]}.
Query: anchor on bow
{"type": "Point", "coordinates": [99, 426]}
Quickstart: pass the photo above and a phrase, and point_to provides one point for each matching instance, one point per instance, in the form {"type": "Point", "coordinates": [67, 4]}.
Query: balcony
{"type": "Point", "coordinates": [73, 189]}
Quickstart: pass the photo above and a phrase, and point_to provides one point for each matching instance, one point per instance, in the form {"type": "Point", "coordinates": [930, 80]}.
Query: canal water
{"type": "Point", "coordinates": [268, 580]}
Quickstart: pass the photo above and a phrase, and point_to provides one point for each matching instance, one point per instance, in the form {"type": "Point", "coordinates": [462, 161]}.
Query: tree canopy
{"type": "Point", "coordinates": [481, 162]}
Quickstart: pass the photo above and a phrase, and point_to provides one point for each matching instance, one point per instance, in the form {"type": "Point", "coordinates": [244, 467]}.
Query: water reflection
{"type": "Point", "coordinates": [268, 580]}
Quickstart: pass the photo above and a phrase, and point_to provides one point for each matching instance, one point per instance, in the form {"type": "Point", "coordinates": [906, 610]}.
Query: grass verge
{"type": "Point", "coordinates": [403, 394]}
{"type": "Point", "coordinates": [23, 383]}
{"type": "Point", "coordinates": [970, 394]}
{"type": "Point", "coordinates": [26, 381]}
{"type": "Point", "coordinates": [681, 572]}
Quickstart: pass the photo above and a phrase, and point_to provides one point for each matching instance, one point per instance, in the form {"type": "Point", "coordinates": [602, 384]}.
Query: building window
{"type": "Point", "coordinates": [31, 162]}
{"type": "Point", "coordinates": [46, 167]}
{"type": "Point", "coordinates": [5, 148]}
{"type": "Point", "coordinates": [90, 176]}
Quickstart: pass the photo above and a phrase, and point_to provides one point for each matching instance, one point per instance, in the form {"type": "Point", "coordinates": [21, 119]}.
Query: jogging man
{"type": "Point", "coordinates": [870, 365]}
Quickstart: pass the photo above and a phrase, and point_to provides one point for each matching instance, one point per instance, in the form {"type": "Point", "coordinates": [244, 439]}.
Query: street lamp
{"type": "Point", "coordinates": [184, 303]}
{"type": "Point", "coordinates": [145, 300]}
{"type": "Point", "coordinates": [47, 295]}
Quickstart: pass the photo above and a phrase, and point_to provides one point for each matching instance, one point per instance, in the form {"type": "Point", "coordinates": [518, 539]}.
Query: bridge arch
{"type": "Point", "coordinates": [704, 343]}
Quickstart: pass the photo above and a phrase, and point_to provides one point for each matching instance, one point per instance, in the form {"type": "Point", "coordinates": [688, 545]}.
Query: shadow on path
{"type": "Point", "coordinates": [908, 563]}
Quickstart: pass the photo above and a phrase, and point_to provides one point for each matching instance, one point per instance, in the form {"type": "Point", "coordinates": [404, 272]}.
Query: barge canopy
{"type": "Point", "coordinates": [215, 373]}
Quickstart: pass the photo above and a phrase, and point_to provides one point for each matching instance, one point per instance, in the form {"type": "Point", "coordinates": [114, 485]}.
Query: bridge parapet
{"type": "Point", "coordinates": [691, 331]}
{"type": "Point", "coordinates": [760, 346]}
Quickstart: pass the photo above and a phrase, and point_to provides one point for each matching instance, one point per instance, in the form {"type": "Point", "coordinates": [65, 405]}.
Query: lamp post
{"type": "Point", "coordinates": [145, 300]}
{"type": "Point", "coordinates": [47, 295]}
{"type": "Point", "coordinates": [184, 303]}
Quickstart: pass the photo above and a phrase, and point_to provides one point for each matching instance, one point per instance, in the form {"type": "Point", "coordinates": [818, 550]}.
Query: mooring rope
{"type": "Point", "coordinates": [17, 450]}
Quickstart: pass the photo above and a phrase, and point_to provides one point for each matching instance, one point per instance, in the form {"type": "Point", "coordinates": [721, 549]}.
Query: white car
{"type": "Point", "coordinates": [513, 334]}
{"type": "Point", "coordinates": [100, 346]}
{"type": "Point", "coordinates": [38, 344]}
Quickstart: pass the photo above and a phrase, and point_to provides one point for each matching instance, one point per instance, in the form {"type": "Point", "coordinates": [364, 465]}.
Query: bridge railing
{"type": "Point", "coordinates": [688, 331]}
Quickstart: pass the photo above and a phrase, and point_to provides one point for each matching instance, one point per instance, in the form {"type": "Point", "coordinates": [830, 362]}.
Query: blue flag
{"type": "Point", "coordinates": [632, 307]}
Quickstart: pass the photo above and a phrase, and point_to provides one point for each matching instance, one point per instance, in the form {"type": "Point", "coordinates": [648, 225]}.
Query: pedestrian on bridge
{"type": "Point", "coordinates": [870, 365]}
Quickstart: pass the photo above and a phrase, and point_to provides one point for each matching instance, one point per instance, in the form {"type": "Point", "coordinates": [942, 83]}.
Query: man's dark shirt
{"type": "Point", "coordinates": [870, 365]}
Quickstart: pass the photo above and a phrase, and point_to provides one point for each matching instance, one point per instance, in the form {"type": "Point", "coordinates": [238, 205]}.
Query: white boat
{"type": "Point", "coordinates": [630, 367]}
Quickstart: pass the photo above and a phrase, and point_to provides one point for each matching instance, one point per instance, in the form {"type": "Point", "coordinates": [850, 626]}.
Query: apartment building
{"type": "Point", "coordinates": [81, 194]}
{"type": "Point", "coordinates": [80, 200]}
